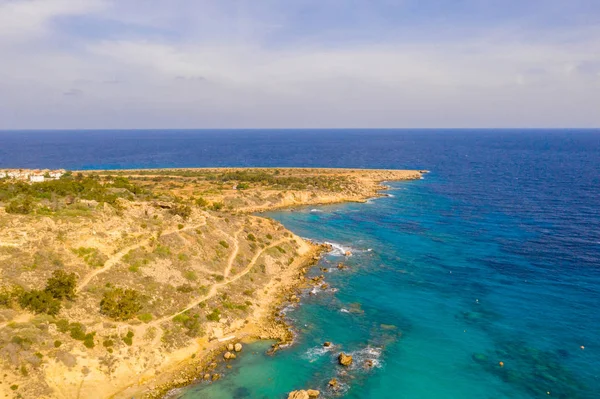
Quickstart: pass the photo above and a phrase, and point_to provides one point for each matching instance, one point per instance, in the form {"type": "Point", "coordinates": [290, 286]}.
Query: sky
{"type": "Point", "coordinates": [103, 64]}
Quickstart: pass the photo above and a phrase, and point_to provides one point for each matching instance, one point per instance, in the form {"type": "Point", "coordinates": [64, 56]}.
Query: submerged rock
{"type": "Point", "coordinates": [313, 393]}
{"type": "Point", "coordinates": [345, 360]}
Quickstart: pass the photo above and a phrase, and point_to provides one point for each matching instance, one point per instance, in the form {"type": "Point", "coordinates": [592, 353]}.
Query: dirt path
{"type": "Point", "coordinates": [109, 264]}
{"type": "Point", "coordinates": [236, 249]}
{"type": "Point", "coordinates": [113, 260]}
{"type": "Point", "coordinates": [215, 288]}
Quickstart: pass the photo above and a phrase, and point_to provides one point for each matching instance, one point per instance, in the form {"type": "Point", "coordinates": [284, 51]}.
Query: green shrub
{"type": "Point", "coordinates": [91, 256]}
{"type": "Point", "coordinates": [215, 315]}
{"type": "Point", "coordinates": [89, 340]}
{"type": "Point", "coordinates": [62, 285]}
{"type": "Point", "coordinates": [77, 331]}
{"type": "Point", "coordinates": [217, 206]}
{"type": "Point", "coordinates": [107, 343]}
{"type": "Point", "coordinates": [224, 244]}
{"type": "Point", "coordinates": [120, 304]}
{"type": "Point", "coordinates": [128, 339]}
{"type": "Point", "coordinates": [182, 210]}
{"type": "Point", "coordinates": [251, 237]}
{"type": "Point", "coordinates": [190, 275]}
{"type": "Point", "coordinates": [269, 236]}
{"type": "Point", "coordinates": [62, 325]}
{"type": "Point", "coordinates": [23, 206]}
{"type": "Point", "coordinates": [145, 317]}
{"type": "Point", "coordinates": [40, 302]}
{"type": "Point", "coordinates": [57, 344]}
{"type": "Point", "coordinates": [201, 202]}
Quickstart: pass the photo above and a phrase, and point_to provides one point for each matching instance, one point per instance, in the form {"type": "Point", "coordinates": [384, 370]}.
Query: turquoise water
{"type": "Point", "coordinates": [495, 256]}
{"type": "Point", "coordinates": [437, 300]}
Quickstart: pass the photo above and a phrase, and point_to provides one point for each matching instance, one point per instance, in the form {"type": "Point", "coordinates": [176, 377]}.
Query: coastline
{"type": "Point", "coordinates": [189, 364]}
{"type": "Point", "coordinates": [192, 372]}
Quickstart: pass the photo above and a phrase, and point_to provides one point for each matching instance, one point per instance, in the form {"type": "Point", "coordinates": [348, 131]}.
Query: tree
{"type": "Point", "coordinates": [62, 285]}
{"type": "Point", "coordinates": [40, 302]}
{"type": "Point", "coordinates": [120, 304]}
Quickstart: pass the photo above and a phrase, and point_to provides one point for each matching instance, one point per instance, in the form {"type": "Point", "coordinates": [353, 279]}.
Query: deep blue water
{"type": "Point", "coordinates": [494, 256]}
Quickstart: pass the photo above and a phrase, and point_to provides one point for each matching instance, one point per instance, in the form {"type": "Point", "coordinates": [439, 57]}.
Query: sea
{"type": "Point", "coordinates": [482, 280]}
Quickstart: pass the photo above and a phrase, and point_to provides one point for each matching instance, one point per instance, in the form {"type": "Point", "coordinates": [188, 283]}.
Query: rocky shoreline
{"type": "Point", "coordinates": [274, 327]}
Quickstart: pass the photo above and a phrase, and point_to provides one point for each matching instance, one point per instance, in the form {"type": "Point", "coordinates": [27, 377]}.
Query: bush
{"type": "Point", "coordinates": [40, 302]}
{"type": "Point", "coordinates": [217, 206]}
{"type": "Point", "coordinates": [224, 244]}
{"type": "Point", "coordinates": [22, 206]}
{"type": "Point", "coordinates": [201, 202]}
{"type": "Point", "coordinates": [128, 339]}
{"type": "Point", "coordinates": [215, 315]}
{"type": "Point", "coordinates": [251, 237]}
{"type": "Point", "coordinates": [120, 304]}
{"type": "Point", "coordinates": [145, 317]}
{"type": "Point", "coordinates": [77, 331]}
{"type": "Point", "coordinates": [89, 340]}
{"type": "Point", "coordinates": [182, 210]}
{"type": "Point", "coordinates": [57, 344]}
{"type": "Point", "coordinates": [62, 285]}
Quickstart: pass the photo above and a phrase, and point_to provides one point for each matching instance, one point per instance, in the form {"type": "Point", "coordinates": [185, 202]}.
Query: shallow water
{"type": "Point", "coordinates": [444, 294]}
{"type": "Point", "coordinates": [493, 257]}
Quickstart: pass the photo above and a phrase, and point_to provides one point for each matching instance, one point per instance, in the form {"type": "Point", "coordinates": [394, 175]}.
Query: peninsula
{"type": "Point", "coordinates": [120, 284]}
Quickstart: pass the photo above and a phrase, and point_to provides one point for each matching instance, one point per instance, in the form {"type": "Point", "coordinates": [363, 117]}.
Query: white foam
{"type": "Point", "coordinates": [313, 354]}
{"type": "Point", "coordinates": [369, 353]}
{"type": "Point", "coordinates": [338, 249]}
{"type": "Point", "coordinates": [344, 310]}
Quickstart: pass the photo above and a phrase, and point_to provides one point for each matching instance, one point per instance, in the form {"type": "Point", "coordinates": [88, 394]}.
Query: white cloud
{"type": "Point", "coordinates": [26, 19]}
{"type": "Point", "coordinates": [234, 71]}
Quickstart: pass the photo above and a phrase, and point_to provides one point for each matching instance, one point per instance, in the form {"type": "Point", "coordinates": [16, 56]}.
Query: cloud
{"type": "Point", "coordinates": [302, 63]}
{"type": "Point", "coordinates": [73, 93]}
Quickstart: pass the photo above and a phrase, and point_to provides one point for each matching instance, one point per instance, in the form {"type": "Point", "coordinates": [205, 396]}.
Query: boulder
{"type": "Point", "coordinates": [302, 394]}
{"type": "Point", "coordinates": [216, 377]}
{"type": "Point", "coordinates": [206, 377]}
{"type": "Point", "coordinates": [237, 347]}
{"type": "Point", "coordinates": [230, 347]}
{"type": "Point", "coordinates": [333, 383]}
{"type": "Point", "coordinates": [313, 393]}
{"type": "Point", "coordinates": [228, 355]}
{"type": "Point", "coordinates": [327, 344]}
{"type": "Point", "coordinates": [345, 360]}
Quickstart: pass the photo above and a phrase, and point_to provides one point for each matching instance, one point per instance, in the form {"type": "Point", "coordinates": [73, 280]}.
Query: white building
{"type": "Point", "coordinates": [36, 178]}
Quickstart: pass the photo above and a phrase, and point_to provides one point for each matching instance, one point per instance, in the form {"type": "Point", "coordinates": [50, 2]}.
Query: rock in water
{"type": "Point", "coordinates": [313, 393]}
{"type": "Point", "coordinates": [333, 383]}
{"type": "Point", "coordinates": [345, 360]}
{"type": "Point", "coordinates": [298, 395]}
{"type": "Point", "coordinates": [228, 355]}
{"type": "Point", "coordinates": [327, 344]}
{"type": "Point", "coordinates": [238, 347]}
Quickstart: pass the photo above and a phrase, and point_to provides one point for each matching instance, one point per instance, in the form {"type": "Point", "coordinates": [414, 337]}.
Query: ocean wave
{"type": "Point", "coordinates": [316, 211]}
{"type": "Point", "coordinates": [344, 310]}
{"type": "Point", "coordinates": [369, 354]}
{"type": "Point", "coordinates": [313, 354]}
{"type": "Point", "coordinates": [339, 249]}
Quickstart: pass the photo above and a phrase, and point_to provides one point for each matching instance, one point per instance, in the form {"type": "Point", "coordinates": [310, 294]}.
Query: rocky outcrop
{"type": "Point", "coordinates": [304, 394]}
{"type": "Point", "coordinates": [344, 360]}
{"type": "Point", "coordinates": [298, 395]}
